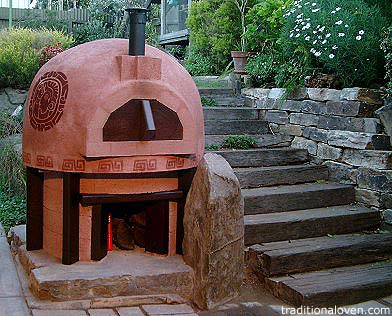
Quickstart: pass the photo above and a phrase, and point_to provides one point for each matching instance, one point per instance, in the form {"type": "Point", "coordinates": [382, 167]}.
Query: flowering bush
{"type": "Point", "coordinates": [48, 53]}
{"type": "Point", "coordinates": [342, 36]}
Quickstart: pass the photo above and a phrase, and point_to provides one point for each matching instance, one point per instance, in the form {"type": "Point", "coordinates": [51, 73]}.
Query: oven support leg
{"type": "Point", "coordinates": [173, 206]}
{"type": "Point", "coordinates": [71, 184]}
{"type": "Point", "coordinates": [35, 214]}
{"type": "Point", "coordinates": [99, 233]}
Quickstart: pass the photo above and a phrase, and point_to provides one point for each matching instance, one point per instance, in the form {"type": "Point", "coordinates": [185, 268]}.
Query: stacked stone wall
{"type": "Point", "coordinates": [348, 130]}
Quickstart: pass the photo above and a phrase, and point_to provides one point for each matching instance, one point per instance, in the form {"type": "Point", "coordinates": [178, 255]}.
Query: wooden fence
{"type": "Point", "coordinates": [73, 17]}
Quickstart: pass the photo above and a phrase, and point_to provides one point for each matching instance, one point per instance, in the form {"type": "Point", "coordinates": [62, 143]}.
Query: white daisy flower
{"type": "Point", "coordinates": [338, 9]}
{"type": "Point", "coordinates": [307, 38]}
{"type": "Point", "coordinates": [333, 12]}
{"type": "Point", "coordinates": [346, 25]}
{"type": "Point", "coordinates": [314, 4]}
{"type": "Point", "coordinates": [312, 50]}
{"type": "Point", "coordinates": [298, 35]}
{"type": "Point", "coordinates": [314, 42]}
{"type": "Point", "coordinates": [334, 47]}
{"type": "Point", "coordinates": [317, 54]}
{"type": "Point", "coordinates": [331, 56]}
{"type": "Point", "coordinates": [341, 34]}
{"type": "Point", "coordinates": [339, 22]}
{"type": "Point", "coordinates": [315, 10]}
{"type": "Point", "coordinates": [322, 29]}
{"type": "Point", "coordinates": [358, 38]}
{"type": "Point", "coordinates": [361, 32]}
{"type": "Point", "coordinates": [328, 35]}
{"type": "Point", "coordinates": [323, 42]}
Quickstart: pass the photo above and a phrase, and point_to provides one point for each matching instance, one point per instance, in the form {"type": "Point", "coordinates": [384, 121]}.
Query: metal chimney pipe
{"type": "Point", "coordinates": [137, 31]}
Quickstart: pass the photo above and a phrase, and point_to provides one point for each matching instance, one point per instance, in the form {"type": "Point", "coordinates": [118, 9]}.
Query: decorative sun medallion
{"type": "Point", "coordinates": [47, 100]}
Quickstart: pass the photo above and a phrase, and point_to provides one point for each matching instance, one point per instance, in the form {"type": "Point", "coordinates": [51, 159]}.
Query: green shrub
{"type": "Point", "coordinates": [239, 142]}
{"type": "Point", "coordinates": [198, 64]}
{"type": "Point", "coordinates": [12, 210]}
{"type": "Point", "coordinates": [12, 171]}
{"type": "Point", "coordinates": [212, 147]}
{"type": "Point", "coordinates": [20, 51]}
{"type": "Point", "coordinates": [208, 102]}
{"type": "Point", "coordinates": [342, 36]}
{"type": "Point", "coordinates": [264, 23]}
{"type": "Point", "coordinates": [91, 31]}
{"type": "Point", "coordinates": [34, 21]}
{"type": "Point", "coordinates": [387, 48]}
{"type": "Point", "coordinates": [263, 67]}
{"type": "Point", "coordinates": [215, 31]}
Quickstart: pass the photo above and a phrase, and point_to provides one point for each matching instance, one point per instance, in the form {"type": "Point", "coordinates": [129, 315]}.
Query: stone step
{"type": "Point", "coordinates": [230, 127]}
{"type": "Point", "coordinates": [339, 286]}
{"type": "Point", "coordinates": [261, 140]}
{"type": "Point", "coordinates": [264, 157]}
{"type": "Point", "coordinates": [278, 175]}
{"type": "Point", "coordinates": [227, 113]}
{"type": "Point", "coordinates": [311, 254]}
{"type": "Point", "coordinates": [226, 101]}
{"type": "Point", "coordinates": [263, 228]}
{"type": "Point", "coordinates": [216, 91]}
{"type": "Point", "coordinates": [296, 197]}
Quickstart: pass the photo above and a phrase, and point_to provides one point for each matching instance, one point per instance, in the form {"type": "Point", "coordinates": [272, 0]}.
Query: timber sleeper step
{"type": "Point", "coordinates": [296, 197]}
{"type": "Point", "coordinates": [346, 219]}
{"type": "Point", "coordinates": [228, 113]}
{"type": "Point", "coordinates": [280, 175]}
{"type": "Point", "coordinates": [311, 254]}
{"type": "Point", "coordinates": [339, 286]}
{"type": "Point", "coordinates": [231, 127]}
{"type": "Point", "coordinates": [264, 157]}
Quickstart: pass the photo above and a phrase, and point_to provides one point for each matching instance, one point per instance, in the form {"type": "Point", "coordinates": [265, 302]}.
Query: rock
{"type": "Point", "coordinates": [12, 140]}
{"type": "Point", "coordinates": [16, 96]}
{"type": "Point", "coordinates": [377, 180]}
{"type": "Point", "coordinates": [387, 214]}
{"type": "Point", "coordinates": [323, 94]}
{"type": "Point", "coordinates": [350, 108]}
{"type": "Point", "coordinates": [341, 173]}
{"type": "Point", "coordinates": [362, 95]}
{"type": "Point", "coordinates": [303, 143]}
{"type": "Point", "coordinates": [328, 152]}
{"type": "Point", "coordinates": [214, 229]}
{"type": "Point", "coordinates": [304, 119]}
{"type": "Point", "coordinates": [256, 93]}
{"type": "Point", "coordinates": [276, 93]}
{"type": "Point", "coordinates": [316, 134]}
{"type": "Point", "coordinates": [278, 117]}
{"type": "Point", "coordinates": [358, 140]}
{"type": "Point", "coordinates": [374, 159]}
{"type": "Point", "coordinates": [385, 115]}
{"type": "Point", "coordinates": [353, 124]}
{"type": "Point", "coordinates": [386, 200]}
{"type": "Point", "coordinates": [287, 129]}
{"type": "Point", "coordinates": [5, 104]}
{"type": "Point", "coordinates": [298, 94]}
{"type": "Point", "coordinates": [367, 197]}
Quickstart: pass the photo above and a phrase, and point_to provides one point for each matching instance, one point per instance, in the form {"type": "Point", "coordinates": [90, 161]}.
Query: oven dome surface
{"type": "Point", "coordinates": [73, 95]}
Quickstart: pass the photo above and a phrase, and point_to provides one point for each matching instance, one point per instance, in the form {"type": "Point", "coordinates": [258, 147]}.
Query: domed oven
{"type": "Point", "coordinates": [107, 126]}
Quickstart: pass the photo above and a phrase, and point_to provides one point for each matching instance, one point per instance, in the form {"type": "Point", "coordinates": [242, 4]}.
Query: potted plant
{"type": "Point", "coordinates": [240, 58]}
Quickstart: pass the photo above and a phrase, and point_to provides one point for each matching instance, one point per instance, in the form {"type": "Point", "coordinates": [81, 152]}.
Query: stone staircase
{"type": "Point", "coordinates": [306, 238]}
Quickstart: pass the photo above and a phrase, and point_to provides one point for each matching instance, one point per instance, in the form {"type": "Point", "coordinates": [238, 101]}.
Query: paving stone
{"type": "Point", "coordinates": [322, 94]}
{"type": "Point", "coordinates": [40, 312]}
{"type": "Point", "coordinates": [327, 152]}
{"type": "Point", "coordinates": [101, 312]}
{"type": "Point", "coordinates": [165, 309]}
{"type": "Point", "coordinates": [387, 299]}
{"type": "Point", "coordinates": [5, 104]}
{"type": "Point", "coordinates": [377, 180]}
{"type": "Point", "coordinates": [9, 282]}
{"type": "Point", "coordinates": [276, 116]}
{"type": "Point", "coordinates": [304, 119]}
{"type": "Point", "coordinates": [362, 95]}
{"type": "Point", "coordinates": [341, 173]}
{"type": "Point", "coordinates": [13, 306]}
{"type": "Point", "coordinates": [375, 159]}
{"type": "Point", "coordinates": [303, 143]}
{"type": "Point", "coordinates": [256, 92]}
{"type": "Point", "coordinates": [276, 93]}
{"type": "Point", "coordinates": [16, 96]}
{"type": "Point", "coordinates": [130, 311]}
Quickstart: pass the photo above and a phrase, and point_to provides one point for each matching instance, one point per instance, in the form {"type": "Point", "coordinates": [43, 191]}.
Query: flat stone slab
{"type": "Point", "coordinates": [121, 273]}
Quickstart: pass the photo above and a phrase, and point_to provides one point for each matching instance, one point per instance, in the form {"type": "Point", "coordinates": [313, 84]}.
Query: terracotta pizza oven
{"type": "Point", "coordinates": [109, 124]}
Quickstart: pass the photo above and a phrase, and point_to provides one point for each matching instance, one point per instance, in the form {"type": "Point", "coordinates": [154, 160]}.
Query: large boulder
{"type": "Point", "coordinates": [214, 232]}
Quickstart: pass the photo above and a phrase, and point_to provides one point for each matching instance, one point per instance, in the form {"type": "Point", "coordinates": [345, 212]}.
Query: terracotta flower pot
{"type": "Point", "coordinates": [240, 59]}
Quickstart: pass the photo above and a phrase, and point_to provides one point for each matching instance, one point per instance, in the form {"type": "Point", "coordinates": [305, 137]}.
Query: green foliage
{"type": "Point", "coordinates": [212, 147]}
{"type": "Point", "coordinates": [263, 67]}
{"type": "Point", "coordinates": [198, 64]}
{"type": "Point", "coordinates": [385, 7]}
{"type": "Point", "coordinates": [387, 48]}
{"type": "Point", "coordinates": [12, 171]}
{"type": "Point", "coordinates": [9, 125]}
{"type": "Point", "coordinates": [19, 53]}
{"type": "Point", "coordinates": [34, 21]}
{"type": "Point", "coordinates": [239, 142]}
{"type": "Point", "coordinates": [215, 31]}
{"type": "Point", "coordinates": [12, 210]}
{"type": "Point", "coordinates": [207, 102]}
{"type": "Point", "coordinates": [343, 38]}
{"type": "Point", "coordinates": [91, 31]}
{"type": "Point", "coordinates": [264, 23]}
